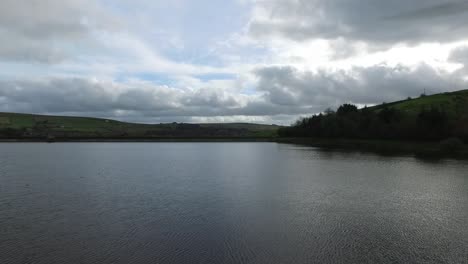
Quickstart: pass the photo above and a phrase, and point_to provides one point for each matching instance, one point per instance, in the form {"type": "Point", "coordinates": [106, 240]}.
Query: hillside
{"type": "Point", "coordinates": [29, 126]}
{"type": "Point", "coordinates": [427, 118]}
{"type": "Point", "coordinates": [453, 103]}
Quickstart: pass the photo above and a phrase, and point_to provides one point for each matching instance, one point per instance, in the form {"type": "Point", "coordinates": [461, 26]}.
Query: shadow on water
{"type": "Point", "coordinates": [426, 157]}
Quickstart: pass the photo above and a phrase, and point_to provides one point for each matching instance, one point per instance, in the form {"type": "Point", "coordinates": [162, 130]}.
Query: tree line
{"type": "Point", "coordinates": [385, 122]}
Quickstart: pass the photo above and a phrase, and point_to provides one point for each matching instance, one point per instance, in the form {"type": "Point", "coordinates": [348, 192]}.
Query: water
{"type": "Point", "coordinates": [227, 203]}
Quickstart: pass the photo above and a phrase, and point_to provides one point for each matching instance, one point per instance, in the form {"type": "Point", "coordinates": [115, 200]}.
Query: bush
{"type": "Point", "coordinates": [346, 109]}
{"type": "Point", "coordinates": [451, 145]}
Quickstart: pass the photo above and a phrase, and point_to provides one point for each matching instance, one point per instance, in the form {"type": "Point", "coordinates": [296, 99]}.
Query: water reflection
{"type": "Point", "coordinates": [227, 203]}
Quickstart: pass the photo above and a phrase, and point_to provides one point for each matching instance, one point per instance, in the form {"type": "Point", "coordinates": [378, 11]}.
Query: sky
{"type": "Point", "coordinates": [263, 61]}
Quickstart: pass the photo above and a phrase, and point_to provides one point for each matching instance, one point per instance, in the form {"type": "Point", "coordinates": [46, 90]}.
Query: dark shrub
{"type": "Point", "coordinates": [451, 145]}
{"type": "Point", "coordinates": [346, 109]}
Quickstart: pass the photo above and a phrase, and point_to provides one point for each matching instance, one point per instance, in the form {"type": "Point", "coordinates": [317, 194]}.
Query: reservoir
{"type": "Point", "coordinates": [227, 203]}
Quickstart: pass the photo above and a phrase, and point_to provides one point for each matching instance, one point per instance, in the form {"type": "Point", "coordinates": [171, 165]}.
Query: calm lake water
{"type": "Point", "coordinates": [227, 203]}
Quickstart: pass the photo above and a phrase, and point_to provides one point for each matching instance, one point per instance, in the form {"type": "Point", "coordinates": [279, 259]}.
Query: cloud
{"type": "Point", "coordinates": [460, 55]}
{"type": "Point", "coordinates": [46, 31]}
{"type": "Point", "coordinates": [438, 10]}
{"type": "Point", "coordinates": [379, 22]}
{"type": "Point", "coordinates": [288, 86]}
{"type": "Point", "coordinates": [111, 99]}
{"type": "Point", "coordinates": [281, 94]}
{"type": "Point", "coordinates": [149, 61]}
{"type": "Point", "coordinates": [17, 48]}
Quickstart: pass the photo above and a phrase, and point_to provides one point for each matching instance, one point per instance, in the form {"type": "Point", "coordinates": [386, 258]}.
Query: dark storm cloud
{"type": "Point", "coordinates": [380, 22]}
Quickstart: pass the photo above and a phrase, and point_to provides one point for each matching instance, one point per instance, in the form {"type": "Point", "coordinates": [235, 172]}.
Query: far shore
{"type": "Point", "coordinates": [149, 140]}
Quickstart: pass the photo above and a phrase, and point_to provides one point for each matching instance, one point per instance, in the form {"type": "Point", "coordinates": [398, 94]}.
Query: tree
{"type": "Point", "coordinates": [346, 109]}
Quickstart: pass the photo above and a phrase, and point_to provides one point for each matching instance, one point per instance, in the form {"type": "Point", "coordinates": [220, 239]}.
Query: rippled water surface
{"type": "Point", "coordinates": [227, 203]}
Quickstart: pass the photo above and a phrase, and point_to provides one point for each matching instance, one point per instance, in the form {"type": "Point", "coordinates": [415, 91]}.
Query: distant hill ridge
{"type": "Point", "coordinates": [404, 119]}
{"type": "Point", "coordinates": [32, 126]}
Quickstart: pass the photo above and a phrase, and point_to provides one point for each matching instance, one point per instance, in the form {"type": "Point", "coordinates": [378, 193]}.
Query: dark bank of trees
{"type": "Point", "coordinates": [385, 122]}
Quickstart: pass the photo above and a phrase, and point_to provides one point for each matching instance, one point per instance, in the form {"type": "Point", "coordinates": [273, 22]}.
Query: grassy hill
{"type": "Point", "coordinates": [432, 118]}
{"type": "Point", "coordinates": [24, 126]}
{"type": "Point", "coordinates": [453, 103]}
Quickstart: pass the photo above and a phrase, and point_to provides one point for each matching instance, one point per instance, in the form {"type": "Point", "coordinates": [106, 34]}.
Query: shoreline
{"type": "Point", "coordinates": [131, 140]}
{"type": "Point", "coordinates": [385, 147]}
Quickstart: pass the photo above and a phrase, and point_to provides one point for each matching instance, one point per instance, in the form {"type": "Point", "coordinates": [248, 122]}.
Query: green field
{"type": "Point", "coordinates": [453, 103]}
{"type": "Point", "coordinates": [14, 125]}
